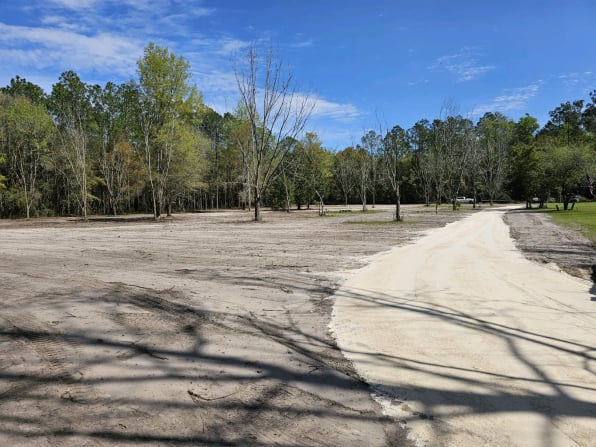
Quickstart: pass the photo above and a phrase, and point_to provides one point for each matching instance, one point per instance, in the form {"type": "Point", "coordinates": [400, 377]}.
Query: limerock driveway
{"type": "Point", "coordinates": [467, 343]}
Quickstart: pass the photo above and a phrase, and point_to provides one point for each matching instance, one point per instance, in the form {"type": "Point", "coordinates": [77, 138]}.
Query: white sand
{"type": "Point", "coordinates": [459, 326]}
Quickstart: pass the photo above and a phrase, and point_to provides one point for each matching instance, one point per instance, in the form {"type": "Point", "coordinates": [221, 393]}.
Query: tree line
{"type": "Point", "coordinates": [152, 145]}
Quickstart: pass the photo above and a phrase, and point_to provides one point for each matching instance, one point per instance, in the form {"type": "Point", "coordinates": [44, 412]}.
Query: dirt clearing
{"type": "Point", "coordinates": [200, 330]}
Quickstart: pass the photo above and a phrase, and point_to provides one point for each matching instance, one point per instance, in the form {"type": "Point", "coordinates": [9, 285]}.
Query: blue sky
{"type": "Point", "coordinates": [366, 62]}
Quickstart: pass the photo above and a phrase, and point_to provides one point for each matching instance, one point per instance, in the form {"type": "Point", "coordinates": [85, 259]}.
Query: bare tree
{"type": "Point", "coordinates": [276, 114]}
{"type": "Point", "coordinates": [394, 150]}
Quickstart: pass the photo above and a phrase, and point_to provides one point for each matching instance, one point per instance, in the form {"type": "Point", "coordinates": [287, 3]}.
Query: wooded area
{"type": "Point", "coordinates": [152, 145]}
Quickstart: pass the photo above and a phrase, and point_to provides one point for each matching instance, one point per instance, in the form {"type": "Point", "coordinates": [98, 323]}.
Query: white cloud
{"type": "Point", "coordinates": [513, 99]}
{"type": "Point", "coordinates": [418, 82]}
{"type": "Point", "coordinates": [303, 44]}
{"type": "Point", "coordinates": [334, 110]}
{"type": "Point", "coordinates": [585, 80]}
{"type": "Point", "coordinates": [228, 46]}
{"type": "Point", "coordinates": [464, 65]}
{"type": "Point", "coordinates": [73, 4]}
{"type": "Point", "coordinates": [47, 47]}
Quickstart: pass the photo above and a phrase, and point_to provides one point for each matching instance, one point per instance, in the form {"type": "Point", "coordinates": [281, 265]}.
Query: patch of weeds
{"type": "Point", "coordinates": [350, 212]}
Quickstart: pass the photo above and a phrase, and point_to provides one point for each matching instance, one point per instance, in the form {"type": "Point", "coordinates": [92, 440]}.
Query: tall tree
{"type": "Point", "coordinates": [452, 140]}
{"type": "Point", "coordinates": [495, 132]}
{"type": "Point", "coordinates": [565, 123]}
{"type": "Point", "coordinates": [363, 161]}
{"type": "Point", "coordinates": [395, 149]}
{"type": "Point", "coordinates": [344, 172]}
{"type": "Point", "coordinates": [589, 115]}
{"type": "Point", "coordinates": [187, 165]}
{"type": "Point", "coordinates": [69, 102]}
{"type": "Point", "coordinates": [118, 163]}
{"type": "Point", "coordinates": [313, 170]}
{"type": "Point", "coordinates": [28, 130]}
{"type": "Point", "coordinates": [276, 113]}
{"type": "Point", "coordinates": [373, 144]}
{"type": "Point", "coordinates": [21, 87]}
{"type": "Point", "coordinates": [420, 141]}
{"type": "Point", "coordinates": [167, 102]}
{"type": "Point", "coordinates": [565, 167]}
{"type": "Point", "coordinates": [523, 175]}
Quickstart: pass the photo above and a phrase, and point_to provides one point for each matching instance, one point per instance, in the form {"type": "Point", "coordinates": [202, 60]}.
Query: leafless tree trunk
{"type": "Point", "coordinates": [395, 147]}
{"type": "Point", "coordinates": [276, 113]}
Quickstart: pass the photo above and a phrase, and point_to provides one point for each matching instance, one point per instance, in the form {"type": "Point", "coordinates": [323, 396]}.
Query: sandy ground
{"type": "Point", "coordinates": [199, 330]}
{"type": "Point", "coordinates": [468, 343]}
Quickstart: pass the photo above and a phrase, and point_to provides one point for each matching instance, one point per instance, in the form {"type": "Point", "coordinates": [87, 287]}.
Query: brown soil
{"type": "Point", "coordinates": [542, 241]}
{"type": "Point", "coordinates": [203, 329]}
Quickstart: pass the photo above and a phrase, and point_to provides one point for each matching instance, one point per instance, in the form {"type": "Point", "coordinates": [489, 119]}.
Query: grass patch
{"type": "Point", "coordinates": [582, 217]}
{"type": "Point", "coordinates": [350, 212]}
{"type": "Point", "coordinates": [381, 222]}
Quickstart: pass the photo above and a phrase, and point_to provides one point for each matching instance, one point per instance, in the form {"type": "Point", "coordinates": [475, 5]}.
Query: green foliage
{"type": "Point", "coordinates": [70, 104]}
{"type": "Point", "coordinates": [312, 167]}
{"type": "Point", "coordinates": [169, 106]}
{"type": "Point", "coordinates": [152, 145]}
{"type": "Point", "coordinates": [29, 131]}
{"type": "Point", "coordinates": [21, 87]}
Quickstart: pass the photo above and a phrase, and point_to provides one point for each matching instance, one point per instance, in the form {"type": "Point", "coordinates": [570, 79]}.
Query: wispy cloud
{"type": "Point", "coordinates": [512, 99]}
{"type": "Point", "coordinates": [102, 43]}
{"type": "Point", "coordinates": [46, 47]}
{"type": "Point", "coordinates": [464, 65]}
{"type": "Point", "coordinates": [72, 4]}
{"type": "Point", "coordinates": [334, 110]}
{"type": "Point", "coordinates": [300, 41]}
{"type": "Point", "coordinates": [584, 80]}
{"type": "Point", "coordinates": [103, 38]}
{"type": "Point", "coordinates": [418, 82]}
{"type": "Point", "coordinates": [303, 44]}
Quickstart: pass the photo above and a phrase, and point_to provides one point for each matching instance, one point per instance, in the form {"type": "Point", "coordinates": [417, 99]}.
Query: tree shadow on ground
{"type": "Point", "coordinates": [83, 385]}
{"type": "Point", "coordinates": [490, 392]}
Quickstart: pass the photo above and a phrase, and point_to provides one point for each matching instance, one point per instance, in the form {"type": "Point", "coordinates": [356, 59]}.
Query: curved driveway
{"type": "Point", "coordinates": [470, 344]}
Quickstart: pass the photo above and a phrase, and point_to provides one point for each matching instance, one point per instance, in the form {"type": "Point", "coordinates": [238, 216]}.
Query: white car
{"type": "Point", "coordinates": [463, 199]}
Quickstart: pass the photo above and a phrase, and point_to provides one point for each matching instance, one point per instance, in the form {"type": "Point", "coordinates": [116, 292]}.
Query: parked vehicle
{"type": "Point", "coordinates": [463, 199]}
{"type": "Point", "coordinates": [574, 198]}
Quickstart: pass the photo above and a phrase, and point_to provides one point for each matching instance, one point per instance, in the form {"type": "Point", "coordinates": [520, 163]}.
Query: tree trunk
{"type": "Point", "coordinates": [397, 204]}
{"type": "Point", "coordinates": [257, 210]}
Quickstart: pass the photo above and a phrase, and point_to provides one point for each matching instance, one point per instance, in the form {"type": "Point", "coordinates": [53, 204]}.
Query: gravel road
{"type": "Point", "coordinates": [469, 343]}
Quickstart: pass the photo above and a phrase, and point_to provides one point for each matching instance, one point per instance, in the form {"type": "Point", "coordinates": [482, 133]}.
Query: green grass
{"type": "Point", "coordinates": [582, 217]}
{"type": "Point", "coordinates": [350, 212]}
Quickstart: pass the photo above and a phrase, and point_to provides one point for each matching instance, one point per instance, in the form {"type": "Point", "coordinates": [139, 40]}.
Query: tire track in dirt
{"type": "Point", "coordinates": [57, 388]}
{"type": "Point", "coordinates": [56, 351]}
